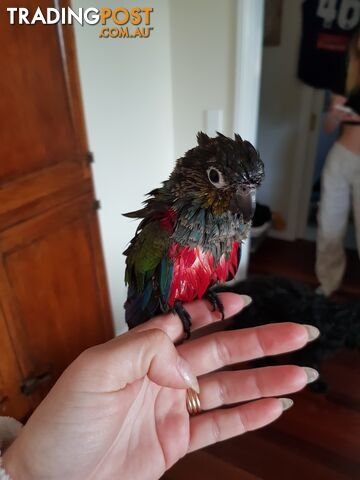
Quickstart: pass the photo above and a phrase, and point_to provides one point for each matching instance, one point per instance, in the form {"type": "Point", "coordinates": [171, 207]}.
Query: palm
{"type": "Point", "coordinates": [157, 432]}
{"type": "Point", "coordinates": [140, 430]}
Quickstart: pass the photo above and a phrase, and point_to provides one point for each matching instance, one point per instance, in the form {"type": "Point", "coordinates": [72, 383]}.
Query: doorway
{"type": "Point", "coordinates": [317, 156]}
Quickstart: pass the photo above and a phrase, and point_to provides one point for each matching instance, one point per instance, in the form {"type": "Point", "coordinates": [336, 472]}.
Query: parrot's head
{"type": "Point", "coordinates": [220, 174]}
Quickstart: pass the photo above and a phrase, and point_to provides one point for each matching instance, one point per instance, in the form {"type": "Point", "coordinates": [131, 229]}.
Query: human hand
{"type": "Point", "coordinates": [119, 410]}
{"type": "Point", "coordinates": [340, 114]}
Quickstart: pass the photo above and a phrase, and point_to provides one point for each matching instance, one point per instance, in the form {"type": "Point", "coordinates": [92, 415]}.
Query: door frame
{"type": "Point", "coordinates": [248, 60]}
{"type": "Point", "coordinates": [310, 125]}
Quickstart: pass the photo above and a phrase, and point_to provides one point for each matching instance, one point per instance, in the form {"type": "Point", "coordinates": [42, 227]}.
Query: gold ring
{"type": "Point", "coordinates": [192, 402]}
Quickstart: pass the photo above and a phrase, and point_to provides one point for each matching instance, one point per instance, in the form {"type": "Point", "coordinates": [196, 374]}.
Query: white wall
{"type": "Point", "coordinates": [280, 116]}
{"type": "Point", "coordinates": [126, 86]}
{"type": "Point", "coordinates": [203, 66]}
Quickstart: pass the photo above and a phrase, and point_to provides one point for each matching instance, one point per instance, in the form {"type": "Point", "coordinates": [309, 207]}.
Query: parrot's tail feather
{"type": "Point", "coordinates": [136, 214]}
{"type": "Point", "coordinates": [139, 308]}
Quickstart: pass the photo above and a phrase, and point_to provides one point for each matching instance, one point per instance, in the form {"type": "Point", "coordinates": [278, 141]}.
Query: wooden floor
{"type": "Point", "coordinates": [319, 437]}
{"type": "Point", "coordinates": [297, 260]}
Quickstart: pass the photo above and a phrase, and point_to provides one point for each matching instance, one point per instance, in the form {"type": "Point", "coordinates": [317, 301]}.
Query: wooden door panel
{"type": "Point", "coordinates": [23, 209]}
{"type": "Point", "coordinates": [53, 286]}
{"type": "Point", "coordinates": [43, 144]}
{"type": "Point", "coordinates": [33, 188]}
{"type": "Point", "coordinates": [53, 292]}
{"type": "Point", "coordinates": [12, 402]}
{"type": "Point", "coordinates": [35, 104]}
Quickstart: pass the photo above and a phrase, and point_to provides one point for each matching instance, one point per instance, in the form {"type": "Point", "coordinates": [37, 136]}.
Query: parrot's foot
{"type": "Point", "coordinates": [184, 316]}
{"type": "Point", "coordinates": [216, 303]}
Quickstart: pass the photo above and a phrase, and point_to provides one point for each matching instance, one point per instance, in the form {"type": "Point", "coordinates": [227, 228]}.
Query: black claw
{"type": "Point", "coordinates": [215, 302]}
{"type": "Point", "coordinates": [184, 316]}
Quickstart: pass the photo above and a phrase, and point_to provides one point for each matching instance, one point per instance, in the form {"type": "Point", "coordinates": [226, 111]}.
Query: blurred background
{"type": "Point", "coordinates": [89, 125]}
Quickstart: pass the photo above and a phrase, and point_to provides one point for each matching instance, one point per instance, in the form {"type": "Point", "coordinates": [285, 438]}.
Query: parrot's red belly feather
{"type": "Point", "coordinates": [195, 271]}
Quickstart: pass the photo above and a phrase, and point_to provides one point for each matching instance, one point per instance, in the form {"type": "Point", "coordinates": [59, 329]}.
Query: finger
{"type": "Point", "coordinates": [201, 315]}
{"type": "Point", "coordinates": [226, 388]}
{"type": "Point", "coordinates": [225, 348]}
{"type": "Point", "coordinates": [130, 357]}
{"type": "Point", "coordinates": [218, 425]}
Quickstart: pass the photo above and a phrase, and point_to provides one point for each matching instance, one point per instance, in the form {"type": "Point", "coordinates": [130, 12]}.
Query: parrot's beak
{"type": "Point", "coordinates": [244, 203]}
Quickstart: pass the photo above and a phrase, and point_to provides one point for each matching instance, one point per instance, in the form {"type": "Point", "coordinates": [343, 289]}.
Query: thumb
{"type": "Point", "coordinates": [130, 357]}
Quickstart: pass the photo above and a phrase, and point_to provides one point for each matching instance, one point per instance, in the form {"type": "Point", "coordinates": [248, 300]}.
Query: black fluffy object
{"type": "Point", "coordinates": [277, 299]}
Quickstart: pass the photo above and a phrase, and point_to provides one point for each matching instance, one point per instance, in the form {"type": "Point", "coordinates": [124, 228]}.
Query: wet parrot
{"type": "Point", "coordinates": [191, 229]}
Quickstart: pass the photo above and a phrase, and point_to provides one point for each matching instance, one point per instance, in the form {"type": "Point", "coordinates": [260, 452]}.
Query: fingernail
{"type": "Point", "coordinates": [286, 403]}
{"type": "Point", "coordinates": [313, 332]}
{"type": "Point", "coordinates": [247, 300]}
{"type": "Point", "coordinates": [187, 374]}
{"type": "Point", "coordinates": [311, 374]}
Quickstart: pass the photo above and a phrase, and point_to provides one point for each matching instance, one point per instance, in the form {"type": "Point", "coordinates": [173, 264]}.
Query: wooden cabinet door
{"type": "Point", "coordinates": [53, 293]}
{"type": "Point", "coordinates": [51, 286]}
{"type": "Point", "coordinates": [12, 402]}
{"type": "Point", "coordinates": [43, 146]}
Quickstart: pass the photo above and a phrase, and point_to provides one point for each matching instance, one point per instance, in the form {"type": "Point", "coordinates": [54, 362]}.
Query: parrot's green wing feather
{"type": "Point", "coordinates": [145, 253]}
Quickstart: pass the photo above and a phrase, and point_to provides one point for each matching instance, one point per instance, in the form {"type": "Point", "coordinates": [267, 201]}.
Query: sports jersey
{"type": "Point", "coordinates": [327, 27]}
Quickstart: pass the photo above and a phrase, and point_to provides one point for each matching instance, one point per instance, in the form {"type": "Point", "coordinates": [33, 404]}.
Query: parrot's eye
{"type": "Point", "coordinates": [243, 190]}
{"type": "Point", "coordinates": [216, 177]}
